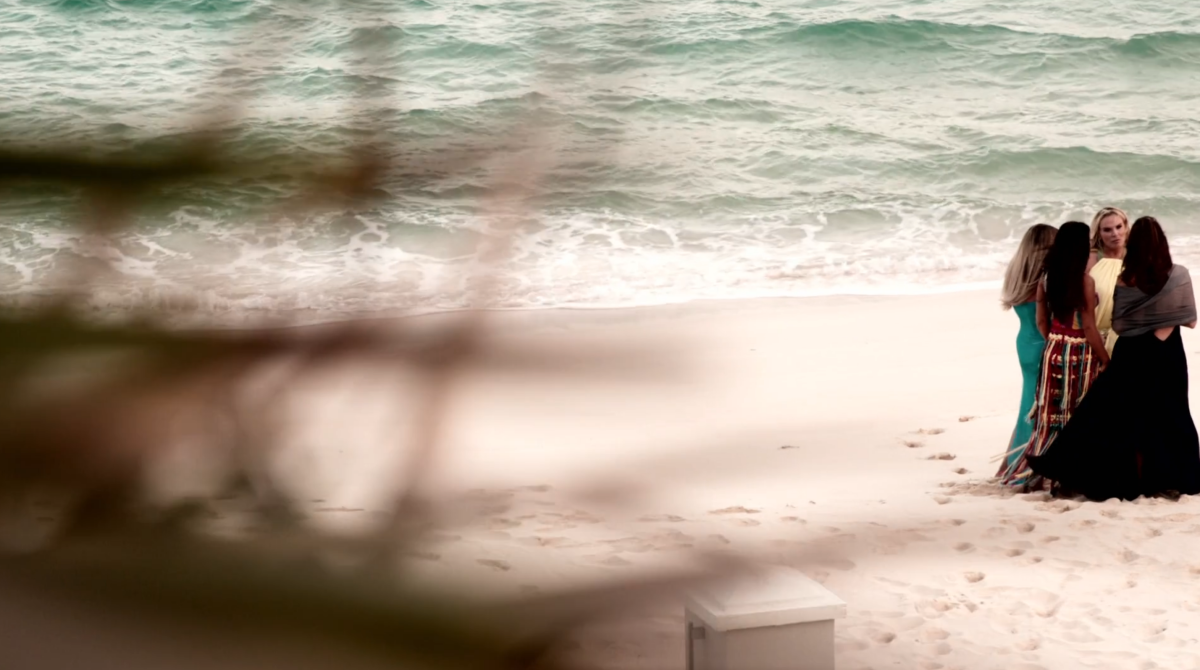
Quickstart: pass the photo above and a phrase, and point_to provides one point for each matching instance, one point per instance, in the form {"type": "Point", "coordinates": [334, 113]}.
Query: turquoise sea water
{"type": "Point", "coordinates": [696, 148]}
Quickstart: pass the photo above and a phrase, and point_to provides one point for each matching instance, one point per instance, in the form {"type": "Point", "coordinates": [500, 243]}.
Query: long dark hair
{"type": "Point", "coordinates": [1066, 264]}
{"type": "Point", "coordinates": [1147, 256]}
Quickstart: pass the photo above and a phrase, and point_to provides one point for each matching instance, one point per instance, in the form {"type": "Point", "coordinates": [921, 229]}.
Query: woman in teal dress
{"type": "Point", "coordinates": [1020, 288]}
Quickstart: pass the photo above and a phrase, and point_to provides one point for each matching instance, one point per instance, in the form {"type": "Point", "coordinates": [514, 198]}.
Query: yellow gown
{"type": "Point", "coordinates": [1105, 273]}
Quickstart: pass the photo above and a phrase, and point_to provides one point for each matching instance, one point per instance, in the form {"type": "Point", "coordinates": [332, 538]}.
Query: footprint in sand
{"type": "Point", "coordinates": [965, 418]}
{"type": "Point", "coordinates": [851, 645]}
{"type": "Point", "coordinates": [883, 637]}
{"type": "Point", "coordinates": [941, 500]}
{"type": "Point", "coordinates": [737, 509]}
{"type": "Point", "coordinates": [1025, 527]}
{"type": "Point", "coordinates": [961, 471]}
{"type": "Point", "coordinates": [1028, 645]}
{"type": "Point", "coordinates": [1110, 513]}
{"type": "Point", "coordinates": [890, 548]}
{"type": "Point", "coordinates": [580, 516]}
{"type": "Point", "coordinates": [662, 517]}
{"type": "Point", "coordinates": [964, 547]}
{"type": "Point", "coordinates": [538, 541]}
{"type": "Point", "coordinates": [1050, 609]}
{"type": "Point", "coordinates": [1175, 518]}
{"type": "Point", "coordinates": [1058, 506]}
{"type": "Point", "coordinates": [974, 577]}
{"type": "Point", "coordinates": [934, 609]}
{"type": "Point", "coordinates": [632, 544]}
{"type": "Point", "coordinates": [1127, 556]}
{"type": "Point", "coordinates": [1013, 553]}
{"type": "Point", "coordinates": [933, 635]}
{"type": "Point", "coordinates": [843, 564]}
{"type": "Point", "coordinates": [941, 457]}
{"type": "Point", "coordinates": [930, 431]}
{"type": "Point", "coordinates": [537, 488]}
{"type": "Point", "coordinates": [485, 494]}
{"type": "Point", "coordinates": [792, 519]}
{"type": "Point", "coordinates": [502, 566]}
{"type": "Point", "coordinates": [913, 444]}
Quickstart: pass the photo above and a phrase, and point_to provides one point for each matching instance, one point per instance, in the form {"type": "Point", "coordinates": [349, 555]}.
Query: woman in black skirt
{"type": "Point", "coordinates": [1133, 434]}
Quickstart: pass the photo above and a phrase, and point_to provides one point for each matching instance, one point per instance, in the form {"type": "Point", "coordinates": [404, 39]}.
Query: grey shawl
{"type": "Point", "coordinates": [1135, 313]}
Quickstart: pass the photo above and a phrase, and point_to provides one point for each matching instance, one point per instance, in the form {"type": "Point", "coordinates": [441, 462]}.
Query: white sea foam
{"type": "Point", "coordinates": [344, 266]}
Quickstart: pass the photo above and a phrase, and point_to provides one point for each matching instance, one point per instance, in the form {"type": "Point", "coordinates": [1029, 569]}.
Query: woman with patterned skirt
{"type": "Point", "coordinates": [1074, 353]}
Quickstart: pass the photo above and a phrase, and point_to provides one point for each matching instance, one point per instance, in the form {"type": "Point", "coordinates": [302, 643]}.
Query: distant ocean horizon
{"type": "Point", "coordinates": [704, 149]}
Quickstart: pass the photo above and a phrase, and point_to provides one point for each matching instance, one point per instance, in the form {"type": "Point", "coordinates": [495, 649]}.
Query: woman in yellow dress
{"type": "Point", "coordinates": [1110, 229]}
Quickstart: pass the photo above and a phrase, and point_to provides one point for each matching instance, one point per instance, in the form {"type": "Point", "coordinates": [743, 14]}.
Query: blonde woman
{"type": "Point", "coordinates": [1019, 294]}
{"type": "Point", "coordinates": [1110, 229]}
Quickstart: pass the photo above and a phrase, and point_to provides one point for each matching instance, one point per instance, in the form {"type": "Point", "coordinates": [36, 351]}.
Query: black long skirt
{"type": "Point", "coordinates": [1132, 434]}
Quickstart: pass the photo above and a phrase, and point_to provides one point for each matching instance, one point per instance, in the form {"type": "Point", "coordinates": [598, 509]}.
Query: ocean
{"type": "Point", "coordinates": [696, 149]}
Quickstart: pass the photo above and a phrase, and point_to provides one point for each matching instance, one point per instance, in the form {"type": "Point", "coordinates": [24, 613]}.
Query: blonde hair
{"type": "Point", "coordinates": [1026, 267]}
{"type": "Point", "coordinates": [1100, 216]}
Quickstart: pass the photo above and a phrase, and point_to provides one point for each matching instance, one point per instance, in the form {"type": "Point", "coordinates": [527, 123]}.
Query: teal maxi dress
{"type": "Point", "coordinates": [1030, 345]}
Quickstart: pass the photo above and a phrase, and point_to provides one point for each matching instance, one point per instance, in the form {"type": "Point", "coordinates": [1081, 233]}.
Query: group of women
{"type": "Point", "coordinates": [1104, 410]}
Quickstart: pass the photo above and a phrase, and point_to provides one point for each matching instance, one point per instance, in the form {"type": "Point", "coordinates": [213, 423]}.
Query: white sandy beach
{"type": "Point", "coordinates": [847, 436]}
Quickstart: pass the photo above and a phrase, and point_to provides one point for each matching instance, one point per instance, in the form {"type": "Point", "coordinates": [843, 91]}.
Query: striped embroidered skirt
{"type": "Point", "coordinates": [1068, 369]}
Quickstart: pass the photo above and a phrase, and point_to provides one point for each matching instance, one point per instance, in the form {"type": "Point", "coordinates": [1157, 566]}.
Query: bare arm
{"type": "Point", "coordinates": [1089, 322]}
{"type": "Point", "coordinates": [1043, 312]}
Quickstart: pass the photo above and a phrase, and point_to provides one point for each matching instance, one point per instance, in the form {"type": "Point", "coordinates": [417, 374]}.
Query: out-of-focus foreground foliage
{"type": "Point", "coordinates": [92, 576]}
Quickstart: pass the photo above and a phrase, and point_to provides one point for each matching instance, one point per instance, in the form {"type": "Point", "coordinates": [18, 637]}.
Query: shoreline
{"type": "Point", "coordinates": [621, 312]}
{"type": "Point", "coordinates": [235, 319]}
